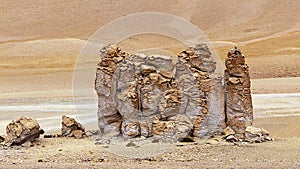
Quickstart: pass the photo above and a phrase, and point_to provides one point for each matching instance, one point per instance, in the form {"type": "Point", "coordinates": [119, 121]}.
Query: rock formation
{"type": "Point", "coordinates": [23, 130]}
{"type": "Point", "coordinates": [239, 111]}
{"type": "Point", "coordinates": [141, 95]}
{"type": "Point", "coordinates": [175, 98]}
{"type": "Point", "coordinates": [71, 128]}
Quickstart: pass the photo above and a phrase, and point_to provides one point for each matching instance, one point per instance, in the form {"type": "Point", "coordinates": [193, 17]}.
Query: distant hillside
{"type": "Point", "coordinates": [221, 19]}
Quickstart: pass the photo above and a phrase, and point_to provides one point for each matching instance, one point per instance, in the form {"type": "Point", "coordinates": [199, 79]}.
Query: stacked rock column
{"type": "Point", "coordinates": [239, 111]}
{"type": "Point", "coordinates": [109, 118]}
{"type": "Point", "coordinates": [204, 91]}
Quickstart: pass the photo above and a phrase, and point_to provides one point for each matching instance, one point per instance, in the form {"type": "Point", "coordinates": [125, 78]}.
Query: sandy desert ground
{"type": "Point", "coordinates": [41, 40]}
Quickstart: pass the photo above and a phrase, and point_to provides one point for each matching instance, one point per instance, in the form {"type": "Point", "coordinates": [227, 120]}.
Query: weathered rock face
{"type": "Point", "coordinates": [141, 95]}
{"type": "Point", "coordinates": [23, 130]}
{"type": "Point", "coordinates": [175, 98]}
{"type": "Point", "coordinates": [109, 118]}
{"type": "Point", "coordinates": [71, 128]}
{"type": "Point", "coordinates": [239, 110]}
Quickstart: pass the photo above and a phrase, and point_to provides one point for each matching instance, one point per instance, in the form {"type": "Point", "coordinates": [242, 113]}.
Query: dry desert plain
{"type": "Point", "coordinates": [41, 40]}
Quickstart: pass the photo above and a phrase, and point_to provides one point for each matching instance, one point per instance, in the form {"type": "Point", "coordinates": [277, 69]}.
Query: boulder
{"type": "Point", "coordinates": [228, 131]}
{"type": "Point", "coordinates": [71, 128]}
{"type": "Point", "coordinates": [253, 134]}
{"type": "Point", "coordinates": [131, 129]}
{"type": "Point", "coordinates": [23, 130]}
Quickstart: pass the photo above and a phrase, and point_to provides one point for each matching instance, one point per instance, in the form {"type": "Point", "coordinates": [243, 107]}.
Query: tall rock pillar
{"type": "Point", "coordinates": [239, 110]}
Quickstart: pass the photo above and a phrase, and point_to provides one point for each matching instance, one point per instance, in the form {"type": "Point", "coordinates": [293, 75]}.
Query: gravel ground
{"type": "Point", "coordinates": [84, 153]}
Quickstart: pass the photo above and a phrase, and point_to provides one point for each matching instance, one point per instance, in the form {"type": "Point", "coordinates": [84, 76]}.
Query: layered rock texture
{"type": "Point", "coordinates": [173, 97]}
{"type": "Point", "coordinates": [239, 110]}
{"type": "Point", "coordinates": [23, 130]}
{"type": "Point", "coordinates": [155, 95]}
{"type": "Point", "coordinates": [71, 128]}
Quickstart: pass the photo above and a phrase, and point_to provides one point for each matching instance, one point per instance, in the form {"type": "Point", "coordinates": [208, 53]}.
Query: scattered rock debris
{"type": "Point", "coordinates": [252, 135]}
{"type": "Point", "coordinates": [71, 128]}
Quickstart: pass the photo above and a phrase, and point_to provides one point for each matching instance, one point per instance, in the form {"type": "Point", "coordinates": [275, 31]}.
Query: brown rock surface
{"type": "Point", "coordinates": [71, 128]}
{"type": "Point", "coordinates": [239, 110]}
{"type": "Point", "coordinates": [175, 98]}
{"type": "Point", "coordinates": [109, 117]}
{"type": "Point", "coordinates": [23, 130]}
{"type": "Point", "coordinates": [253, 134]}
{"type": "Point", "coordinates": [159, 95]}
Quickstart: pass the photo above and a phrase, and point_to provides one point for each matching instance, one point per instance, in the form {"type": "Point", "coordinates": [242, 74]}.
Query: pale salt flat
{"type": "Point", "coordinates": [49, 113]}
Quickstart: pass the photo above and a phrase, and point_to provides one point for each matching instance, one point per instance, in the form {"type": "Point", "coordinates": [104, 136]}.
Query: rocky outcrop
{"type": "Point", "coordinates": [71, 128]}
{"type": "Point", "coordinates": [23, 130]}
{"type": "Point", "coordinates": [239, 110]}
{"type": "Point", "coordinates": [141, 95]}
{"type": "Point", "coordinates": [175, 98]}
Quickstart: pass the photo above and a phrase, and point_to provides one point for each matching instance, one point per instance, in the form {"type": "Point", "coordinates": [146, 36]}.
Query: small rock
{"type": "Point", "coordinates": [156, 140]}
{"type": "Point", "coordinates": [228, 131]}
{"type": "Point", "coordinates": [91, 133]}
{"type": "Point", "coordinates": [186, 139]}
{"type": "Point", "coordinates": [264, 132]}
{"type": "Point", "coordinates": [212, 141]}
{"type": "Point", "coordinates": [190, 52]}
{"type": "Point", "coordinates": [40, 160]}
{"type": "Point", "coordinates": [102, 141]}
{"type": "Point", "coordinates": [131, 129]}
{"type": "Point", "coordinates": [231, 138]}
{"type": "Point", "coordinates": [254, 130]}
{"type": "Point", "coordinates": [48, 136]}
{"type": "Point", "coordinates": [234, 80]}
{"type": "Point", "coordinates": [145, 69]}
{"type": "Point", "coordinates": [131, 144]}
{"type": "Point", "coordinates": [268, 138]}
{"type": "Point", "coordinates": [27, 144]}
{"type": "Point", "coordinates": [70, 127]}
{"type": "Point", "coordinates": [78, 134]}
{"type": "Point", "coordinates": [2, 139]}
{"type": "Point", "coordinates": [180, 144]}
{"type": "Point", "coordinates": [100, 160]}
{"type": "Point", "coordinates": [105, 146]}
